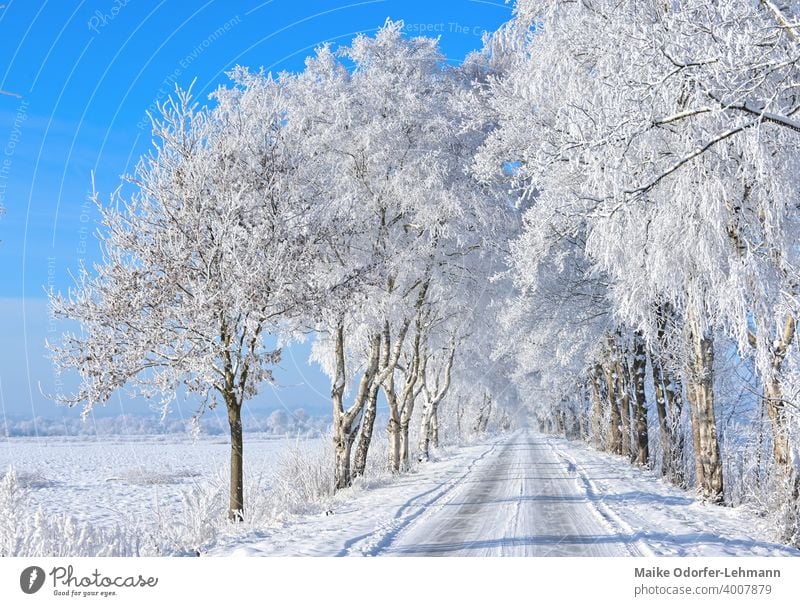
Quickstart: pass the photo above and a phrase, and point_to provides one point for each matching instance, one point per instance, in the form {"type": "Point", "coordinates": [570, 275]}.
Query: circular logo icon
{"type": "Point", "coordinates": [31, 579]}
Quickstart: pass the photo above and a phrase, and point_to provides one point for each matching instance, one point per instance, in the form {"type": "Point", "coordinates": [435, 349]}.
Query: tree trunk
{"type": "Point", "coordinates": [343, 421]}
{"type": "Point", "coordinates": [429, 431]}
{"type": "Point", "coordinates": [774, 401]}
{"type": "Point", "coordinates": [386, 381]}
{"type": "Point", "coordinates": [614, 433]}
{"type": "Point", "coordinates": [691, 396]}
{"type": "Point", "coordinates": [341, 427]}
{"type": "Point", "coordinates": [559, 423]}
{"type": "Point", "coordinates": [236, 506]}
{"type": "Point", "coordinates": [425, 433]}
{"type": "Point", "coordinates": [708, 461]}
{"type": "Point", "coordinates": [401, 408]}
{"type": "Point", "coordinates": [343, 443]}
{"type": "Point", "coordinates": [583, 415]}
{"type": "Point", "coordinates": [624, 397]}
{"type": "Point", "coordinates": [672, 390]}
{"type": "Point", "coordinates": [365, 436]}
{"type": "Point", "coordinates": [434, 426]}
{"type": "Point", "coordinates": [393, 429]}
{"type": "Point", "coordinates": [409, 398]}
{"type": "Point", "coordinates": [775, 410]}
{"type": "Point", "coordinates": [485, 417]}
{"type": "Point", "coordinates": [405, 465]}
{"type": "Point", "coordinates": [597, 408]}
{"type": "Point", "coordinates": [481, 421]}
{"type": "Point", "coordinates": [787, 472]}
{"type": "Point", "coordinates": [665, 432]}
{"type": "Point", "coordinates": [381, 353]}
{"type": "Point", "coordinates": [639, 368]}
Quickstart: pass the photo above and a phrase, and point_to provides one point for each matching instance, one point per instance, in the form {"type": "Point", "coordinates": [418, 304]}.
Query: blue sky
{"type": "Point", "coordinates": [77, 78]}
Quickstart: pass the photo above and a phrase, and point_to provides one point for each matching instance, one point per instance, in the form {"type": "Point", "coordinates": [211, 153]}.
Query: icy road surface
{"type": "Point", "coordinates": [524, 494]}
{"type": "Point", "coordinates": [526, 499]}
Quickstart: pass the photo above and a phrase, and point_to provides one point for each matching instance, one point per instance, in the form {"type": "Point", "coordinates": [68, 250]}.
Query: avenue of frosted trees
{"type": "Point", "coordinates": [656, 146]}
{"type": "Point", "coordinates": [592, 222]}
{"type": "Point", "coordinates": [332, 204]}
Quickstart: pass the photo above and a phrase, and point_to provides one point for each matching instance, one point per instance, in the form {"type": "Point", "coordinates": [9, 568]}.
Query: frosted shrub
{"type": "Point", "coordinates": [28, 532]}
{"type": "Point", "coordinates": [304, 476]}
{"type": "Point", "coordinates": [12, 501]}
{"type": "Point", "coordinates": [377, 467]}
{"type": "Point", "coordinates": [203, 512]}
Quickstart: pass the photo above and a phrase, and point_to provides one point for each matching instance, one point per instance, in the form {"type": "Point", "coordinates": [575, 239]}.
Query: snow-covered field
{"type": "Point", "coordinates": [110, 479]}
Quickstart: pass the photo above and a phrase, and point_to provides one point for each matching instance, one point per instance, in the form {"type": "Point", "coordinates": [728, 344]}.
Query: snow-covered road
{"type": "Point", "coordinates": [523, 494]}
{"type": "Point", "coordinates": [523, 500]}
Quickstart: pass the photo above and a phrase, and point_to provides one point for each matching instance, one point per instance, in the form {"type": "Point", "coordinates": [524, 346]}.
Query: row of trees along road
{"type": "Point", "coordinates": [332, 202]}
{"type": "Point", "coordinates": [658, 144]}
{"type": "Point", "coordinates": [594, 210]}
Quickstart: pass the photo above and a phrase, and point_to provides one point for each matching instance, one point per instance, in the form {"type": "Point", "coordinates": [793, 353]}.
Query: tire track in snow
{"type": "Point", "coordinates": [613, 521]}
{"type": "Point", "coordinates": [376, 541]}
{"type": "Point", "coordinates": [523, 501]}
{"type": "Point", "coordinates": [677, 520]}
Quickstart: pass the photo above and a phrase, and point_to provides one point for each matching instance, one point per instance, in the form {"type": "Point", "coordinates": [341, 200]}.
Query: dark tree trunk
{"type": "Point", "coordinates": [597, 408]}
{"type": "Point", "coordinates": [638, 370]}
{"type": "Point", "coordinates": [624, 398]}
{"type": "Point", "coordinates": [236, 508]}
{"type": "Point", "coordinates": [614, 421]}
{"type": "Point", "coordinates": [487, 416]}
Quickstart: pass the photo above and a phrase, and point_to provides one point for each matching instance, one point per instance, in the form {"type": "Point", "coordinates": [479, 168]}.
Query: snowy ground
{"type": "Point", "coordinates": [522, 494]}
{"type": "Point", "coordinates": [519, 494]}
{"type": "Point", "coordinates": [107, 479]}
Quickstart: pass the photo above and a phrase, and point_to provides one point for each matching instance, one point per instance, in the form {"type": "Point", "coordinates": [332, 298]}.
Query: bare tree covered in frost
{"type": "Point", "coordinates": [200, 263]}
